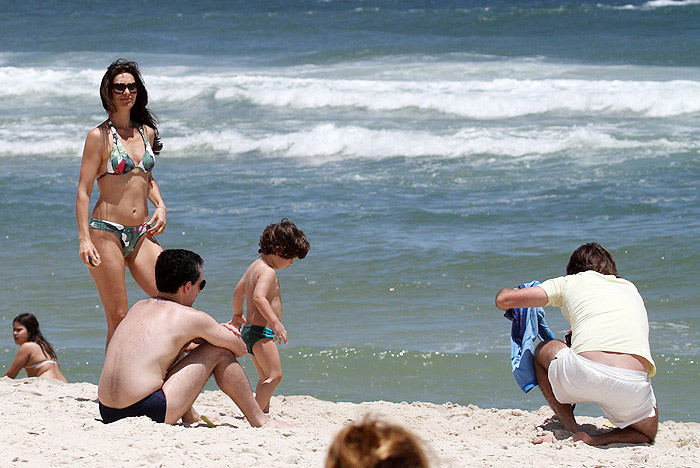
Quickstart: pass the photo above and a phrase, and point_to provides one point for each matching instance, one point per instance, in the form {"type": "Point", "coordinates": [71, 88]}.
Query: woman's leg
{"type": "Point", "coordinates": [109, 278]}
{"type": "Point", "coordinates": [142, 264]}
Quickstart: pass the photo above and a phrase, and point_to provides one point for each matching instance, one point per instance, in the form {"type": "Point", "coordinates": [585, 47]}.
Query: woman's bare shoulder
{"type": "Point", "coordinates": [98, 133]}
{"type": "Point", "coordinates": [150, 133]}
{"type": "Point", "coordinates": [98, 142]}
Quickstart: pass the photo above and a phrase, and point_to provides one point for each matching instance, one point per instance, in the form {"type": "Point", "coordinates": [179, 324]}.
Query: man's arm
{"type": "Point", "coordinates": [218, 334]}
{"type": "Point", "coordinates": [526, 297]}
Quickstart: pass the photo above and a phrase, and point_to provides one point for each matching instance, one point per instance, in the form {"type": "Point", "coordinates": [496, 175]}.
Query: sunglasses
{"type": "Point", "coordinates": [119, 88]}
{"type": "Point", "coordinates": [202, 284]}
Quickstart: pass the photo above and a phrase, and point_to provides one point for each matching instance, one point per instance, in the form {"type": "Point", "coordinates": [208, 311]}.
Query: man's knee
{"type": "Point", "coordinates": [225, 355]}
{"type": "Point", "coordinates": [651, 436]}
{"type": "Point", "coordinates": [540, 345]}
{"type": "Point", "coordinates": [546, 351]}
{"type": "Point", "coordinates": [220, 355]}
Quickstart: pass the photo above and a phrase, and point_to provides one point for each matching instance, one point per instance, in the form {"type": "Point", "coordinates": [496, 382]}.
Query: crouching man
{"type": "Point", "coordinates": [609, 361]}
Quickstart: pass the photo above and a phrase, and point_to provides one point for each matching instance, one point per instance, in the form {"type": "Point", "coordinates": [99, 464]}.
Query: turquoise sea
{"type": "Point", "coordinates": [432, 151]}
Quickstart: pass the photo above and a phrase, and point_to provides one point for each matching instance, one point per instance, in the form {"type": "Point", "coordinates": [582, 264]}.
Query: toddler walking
{"type": "Point", "coordinates": [261, 328]}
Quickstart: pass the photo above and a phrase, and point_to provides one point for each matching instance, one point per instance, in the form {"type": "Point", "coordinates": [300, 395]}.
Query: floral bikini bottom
{"type": "Point", "coordinates": [128, 235]}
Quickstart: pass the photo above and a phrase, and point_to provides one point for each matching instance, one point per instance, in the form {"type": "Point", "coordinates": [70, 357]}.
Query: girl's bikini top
{"type": "Point", "coordinates": [50, 361]}
{"type": "Point", "coordinates": [120, 162]}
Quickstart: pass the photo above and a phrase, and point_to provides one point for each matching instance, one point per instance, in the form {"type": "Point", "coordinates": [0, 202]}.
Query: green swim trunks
{"type": "Point", "coordinates": [251, 334]}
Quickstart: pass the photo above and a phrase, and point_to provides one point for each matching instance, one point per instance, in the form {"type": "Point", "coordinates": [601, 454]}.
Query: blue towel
{"type": "Point", "coordinates": [528, 324]}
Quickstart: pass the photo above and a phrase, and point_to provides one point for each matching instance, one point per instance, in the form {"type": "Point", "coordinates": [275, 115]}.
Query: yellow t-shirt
{"type": "Point", "coordinates": [606, 313]}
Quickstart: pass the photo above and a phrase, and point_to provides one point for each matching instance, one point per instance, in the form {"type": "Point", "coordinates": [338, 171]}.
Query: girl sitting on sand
{"type": "Point", "coordinates": [35, 354]}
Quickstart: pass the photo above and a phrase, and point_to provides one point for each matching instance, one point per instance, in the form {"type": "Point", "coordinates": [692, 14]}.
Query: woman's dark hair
{"type": "Point", "coordinates": [139, 112]}
{"type": "Point", "coordinates": [176, 267]}
{"type": "Point", "coordinates": [591, 256]}
{"type": "Point", "coordinates": [284, 239]}
{"type": "Point", "coordinates": [30, 322]}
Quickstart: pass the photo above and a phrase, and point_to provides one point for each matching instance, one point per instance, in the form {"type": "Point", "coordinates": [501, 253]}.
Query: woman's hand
{"type": "Point", "coordinates": [88, 253]}
{"type": "Point", "coordinates": [157, 221]}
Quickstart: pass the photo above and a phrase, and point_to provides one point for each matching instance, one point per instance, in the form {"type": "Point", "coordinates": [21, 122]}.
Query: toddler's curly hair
{"type": "Point", "coordinates": [285, 240]}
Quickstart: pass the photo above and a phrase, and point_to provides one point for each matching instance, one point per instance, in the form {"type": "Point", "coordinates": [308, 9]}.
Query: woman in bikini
{"type": "Point", "coordinates": [120, 155]}
{"type": "Point", "coordinates": [35, 354]}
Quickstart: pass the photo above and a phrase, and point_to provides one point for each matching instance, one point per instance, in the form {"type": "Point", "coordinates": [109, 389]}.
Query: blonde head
{"type": "Point", "coordinates": [374, 444]}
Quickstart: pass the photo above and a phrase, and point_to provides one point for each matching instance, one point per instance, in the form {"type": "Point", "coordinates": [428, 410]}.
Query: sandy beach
{"type": "Point", "coordinates": [48, 423]}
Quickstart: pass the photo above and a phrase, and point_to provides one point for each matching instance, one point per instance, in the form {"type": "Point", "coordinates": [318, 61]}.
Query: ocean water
{"type": "Point", "coordinates": [432, 151]}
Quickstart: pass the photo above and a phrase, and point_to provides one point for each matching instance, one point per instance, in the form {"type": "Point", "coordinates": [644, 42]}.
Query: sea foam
{"type": "Point", "coordinates": [477, 97]}
{"type": "Point", "coordinates": [330, 142]}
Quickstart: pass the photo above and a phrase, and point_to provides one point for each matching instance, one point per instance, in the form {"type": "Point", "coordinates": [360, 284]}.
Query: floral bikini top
{"type": "Point", "coordinates": [120, 162]}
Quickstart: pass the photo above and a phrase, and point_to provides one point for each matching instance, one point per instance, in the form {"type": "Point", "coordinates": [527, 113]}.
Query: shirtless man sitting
{"type": "Point", "coordinates": [609, 361]}
{"type": "Point", "coordinates": [143, 374]}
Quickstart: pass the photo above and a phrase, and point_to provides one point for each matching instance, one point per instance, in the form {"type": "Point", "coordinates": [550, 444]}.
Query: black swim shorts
{"type": "Point", "coordinates": [153, 406]}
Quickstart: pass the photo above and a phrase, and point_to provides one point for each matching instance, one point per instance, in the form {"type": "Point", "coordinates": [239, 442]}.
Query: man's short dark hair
{"type": "Point", "coordinates": [591, 256]}
{"type": "Point", "coordinates": [284, 239]}
{"type": "Point", "coordinates": [176, 267]}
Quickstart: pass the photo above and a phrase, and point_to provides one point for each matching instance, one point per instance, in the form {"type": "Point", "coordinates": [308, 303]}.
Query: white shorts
{"type": "Point", "coordinates": [625, 396]}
